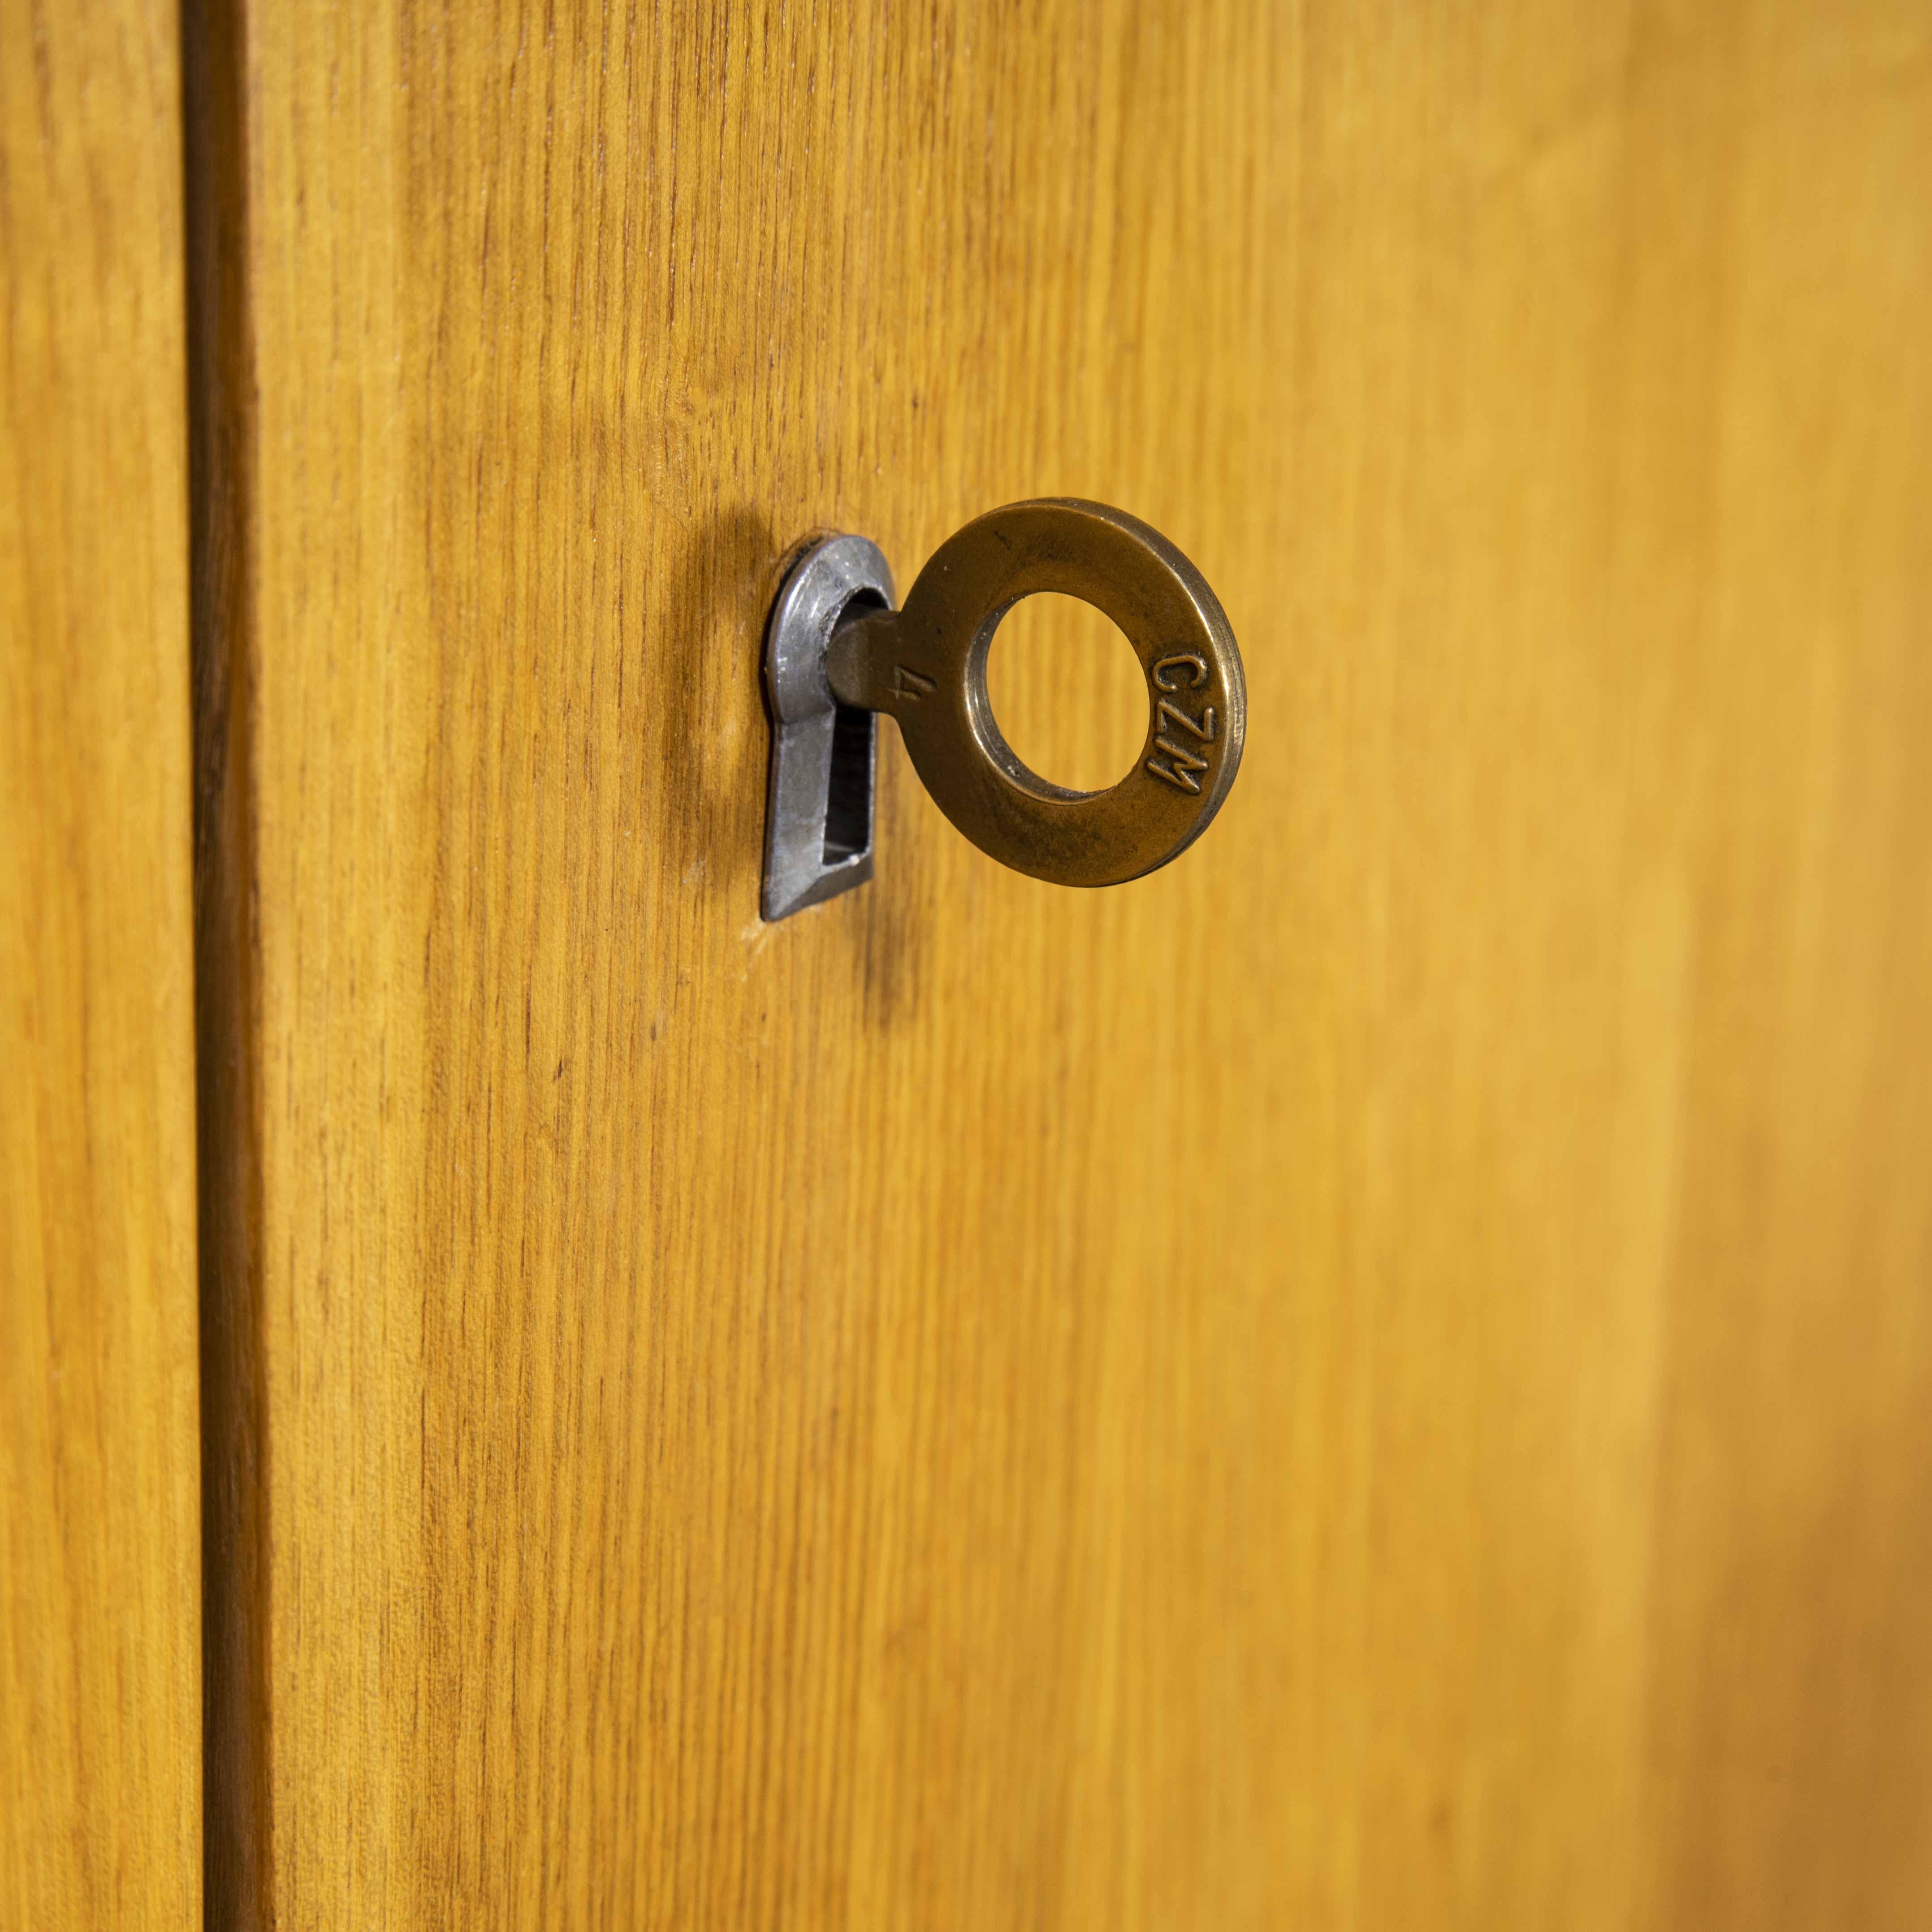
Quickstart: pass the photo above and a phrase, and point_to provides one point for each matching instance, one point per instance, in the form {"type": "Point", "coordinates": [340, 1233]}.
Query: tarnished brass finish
{"type": "Point", "coordinates": [926, 665]}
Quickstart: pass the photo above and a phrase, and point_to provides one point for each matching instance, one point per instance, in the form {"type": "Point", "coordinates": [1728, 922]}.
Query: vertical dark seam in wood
{"type": "Point", "coordinates": [220, 413]}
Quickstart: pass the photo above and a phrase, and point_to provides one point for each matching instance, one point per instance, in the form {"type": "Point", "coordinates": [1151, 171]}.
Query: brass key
{"type": "Point", "coordinates": [837, 653]}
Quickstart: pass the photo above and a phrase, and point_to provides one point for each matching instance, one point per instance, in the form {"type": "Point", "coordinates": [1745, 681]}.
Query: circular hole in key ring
{"type": "Point", "coordinates": [1067, 691]}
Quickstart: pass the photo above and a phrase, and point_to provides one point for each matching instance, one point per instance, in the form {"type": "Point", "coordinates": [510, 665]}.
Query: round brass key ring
{"type": "Point", "coordinates": [1197, 696]}
{"type": "Point", "coordinates": [836, 652]}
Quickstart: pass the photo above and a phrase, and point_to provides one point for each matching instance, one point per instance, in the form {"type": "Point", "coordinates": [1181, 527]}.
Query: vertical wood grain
{"type": "Point", "coordinates": [1378, 1377]}
{"type": "Point", "coordinates": [100, 1568]}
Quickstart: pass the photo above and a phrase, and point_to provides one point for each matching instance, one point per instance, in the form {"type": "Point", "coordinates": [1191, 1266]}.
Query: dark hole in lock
{"type": "Point", "coordinates": [848, 800]}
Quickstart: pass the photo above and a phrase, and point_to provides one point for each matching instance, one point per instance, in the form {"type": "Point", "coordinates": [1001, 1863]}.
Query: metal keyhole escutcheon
{"type": "Point", "coordinates": [836, 653]}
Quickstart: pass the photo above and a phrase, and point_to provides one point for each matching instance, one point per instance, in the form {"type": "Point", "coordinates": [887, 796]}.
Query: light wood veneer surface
{"type": "Point", "coordinates": [100, 1780]}
{"type": "Point", "coordinates": [1380, 1377]}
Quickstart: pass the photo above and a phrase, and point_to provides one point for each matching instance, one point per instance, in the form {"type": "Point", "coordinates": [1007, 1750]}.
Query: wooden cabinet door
{"type": "Point", "coordinates": [1378, 1377]}
{"type": "Point", "coordinates": [100, 1787]}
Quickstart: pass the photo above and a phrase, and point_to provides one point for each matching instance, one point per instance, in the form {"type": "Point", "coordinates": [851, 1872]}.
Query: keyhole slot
{"type": "Point", "coordinates": [848, 801]}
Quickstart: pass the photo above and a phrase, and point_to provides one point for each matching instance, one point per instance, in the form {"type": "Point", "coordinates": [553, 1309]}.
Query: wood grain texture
{"type": "Point", "coordinates": [1380, 1377]}
{"type": "Point", "coordinates": [99, 1562]}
